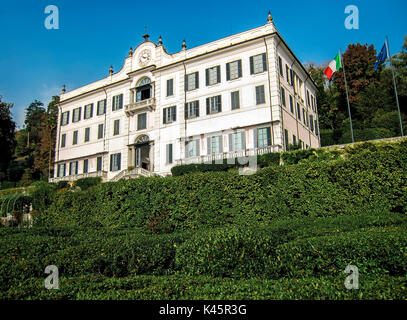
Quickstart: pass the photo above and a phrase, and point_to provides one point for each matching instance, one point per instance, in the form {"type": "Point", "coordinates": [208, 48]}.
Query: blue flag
{"type": "Point", "coordinates": [382, 57]}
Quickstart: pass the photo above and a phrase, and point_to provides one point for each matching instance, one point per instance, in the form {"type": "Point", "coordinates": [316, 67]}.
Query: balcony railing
{"type": "Point", "coordinates": [229, 155]}
{"type": "Point", "coordinates": [134, 107]}
{"type": "Point", "coordinates": [74, 177]}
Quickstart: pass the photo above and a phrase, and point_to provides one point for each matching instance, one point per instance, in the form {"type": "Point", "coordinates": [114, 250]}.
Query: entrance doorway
{"type": "Point", "coordinates": [142, 153]}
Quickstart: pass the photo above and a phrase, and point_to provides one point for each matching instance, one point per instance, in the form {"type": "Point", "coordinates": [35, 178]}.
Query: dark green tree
{"type": "Point", "coordinates": [7, 137]}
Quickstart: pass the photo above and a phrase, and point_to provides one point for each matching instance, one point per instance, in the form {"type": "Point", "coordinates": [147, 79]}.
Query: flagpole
{"type": "Point", "coordinates": [395, 87]}
{"type": "Point", "coordinates": [347, 96]}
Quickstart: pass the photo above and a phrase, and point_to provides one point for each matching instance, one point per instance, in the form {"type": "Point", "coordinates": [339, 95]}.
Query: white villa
{"type": "Point", "coordinates": [246, 94]}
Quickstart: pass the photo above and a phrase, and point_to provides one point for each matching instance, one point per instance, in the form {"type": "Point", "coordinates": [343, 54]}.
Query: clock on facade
{"type": "Point", "coordinates": [144, 57]}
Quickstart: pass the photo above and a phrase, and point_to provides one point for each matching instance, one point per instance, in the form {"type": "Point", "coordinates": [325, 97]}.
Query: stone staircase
{"type": "Point", "coordinates": [132, 174]}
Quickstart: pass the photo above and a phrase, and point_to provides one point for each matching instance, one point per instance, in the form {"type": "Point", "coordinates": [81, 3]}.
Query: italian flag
{"type": "Point", "coordinates": [334, 66]}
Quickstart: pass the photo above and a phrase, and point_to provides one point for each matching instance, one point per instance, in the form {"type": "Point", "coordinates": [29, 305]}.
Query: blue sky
{"type": "Point", "coordinates": [36, 62]}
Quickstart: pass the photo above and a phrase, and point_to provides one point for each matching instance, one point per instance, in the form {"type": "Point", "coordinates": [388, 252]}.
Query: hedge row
{"type": "Point", "coordinates": [242, 253]}
{"type": "Point", "coordinates": [180, 287]}
{"type": "Point", "coordinates": [269, 251]}
{"type": "Point", "coordinates": [369, 179]}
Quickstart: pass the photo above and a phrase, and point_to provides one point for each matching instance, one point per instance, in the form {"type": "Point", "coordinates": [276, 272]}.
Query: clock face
{"type": "Point", "coordinates": [144, 57]}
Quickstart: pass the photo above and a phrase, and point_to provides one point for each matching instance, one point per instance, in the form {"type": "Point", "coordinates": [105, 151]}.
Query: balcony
{"type": "Point", "coordinates": [96, 174]}
{"type": "Point", "coordinates": [134, 107]}
{"type": "Point", "coordinates": [230, 155]}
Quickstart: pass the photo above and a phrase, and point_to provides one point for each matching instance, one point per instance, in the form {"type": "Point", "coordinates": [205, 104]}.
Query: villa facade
{"type": "Point", "coordinates": [246, 94]}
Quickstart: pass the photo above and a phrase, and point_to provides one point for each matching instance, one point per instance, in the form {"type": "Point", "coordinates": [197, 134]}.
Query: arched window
{"type": "Point", "coordinates": [143, 81]}
{"type": "Point", "coordinates": [143, 89]}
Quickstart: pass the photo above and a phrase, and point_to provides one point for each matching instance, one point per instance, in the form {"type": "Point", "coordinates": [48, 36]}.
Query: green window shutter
{"type": "Point", "coordinates": [227, 71]}
{"type": "Point", "coordinates": [186, 110]}
{"type": "Point", "coordinates": [209, 147]}
{"type": "Point", "coordinates": [220, 104]}
{"type": "Point", "coordinates": [231, 147]}
{"type": "Point", "coordinates": [197, 108]}
{"type": "Point", "coordinates": [119, 160]}
{"type": "Point", "coordinates": [198, 151]}
{"type": "Point", "coordinates": [255, 137]}
{"type": "Point", "coordinates": [220, 139]}
{"type": "Point", "coordinates": [165, 116]}
{"type": "Point", "coordinates": [268, 136]}
{"type": "Point", "coordinates": [207, 77]}
{"type": "Point", "coordinates": [218, 74]}
{"type": "Point", "coordinates": [239, 68]}
{"type": "Point", "coordinates": [251, 66]}
{"type": "Point", "coordinates": [196, 80]}
{"type": "Point", "coordinates": [208, 110]}
{"type": "Point", "coordinates": [242, 136]}
{"type": "Point", "coordinates": [186, 83]}
{"type": "Point", "coordinates": [174, 117]}
{"type": "Point", "coordinates": [264, 62]}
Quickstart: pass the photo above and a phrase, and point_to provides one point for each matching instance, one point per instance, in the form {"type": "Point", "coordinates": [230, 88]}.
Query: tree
{"type": "Point", "coordinates": [33, 116]}
{"type": "Point", "coordinates": [7, 136]}
{"type": "Point", "coordinates": [45, 154]}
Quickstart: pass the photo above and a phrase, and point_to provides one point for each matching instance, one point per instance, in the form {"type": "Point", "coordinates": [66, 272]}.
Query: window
{"type": "Point", "coordinates": [61, 170]}
{"type": "Point", "coordinates": [280, 66]}
{"type": "Point", "coordinates": [169, 115]}
{"type": "Point", "coordinates": [99, 164]}
{"type": "Point", "coordinates": [291, 104]}
{"type": "Point", "coordinates": [100, 131]}
{"type": "Point", "coordinates": [170, 87]}
{"type": "Point", "coordinates": [63, 140]}
{"type": "Point", "coordinates": [101, 107]}
{"type": "Point", "coordinates": [298, 112]}
{"type": "Point", "coordinates": [282, 96]}
{"type": "Point", "coordinates": [192, 110]}
{"type": "Point", "coordinates": [316, 126]}
{"type": "Point", "coordinates": [75, 137]}
{"type": "Point", "coordinates": [115, 162]}
{"type": "Point", "coordinates": [65, 118]}
{"type": "Point", "coordinates": [235, 100]}
{"type": "Point", "coordinates": [262, 137]}
{"type": "Point", "coordinates": [192, 81]}
{"type": "Point", "coordinates": [88, 112]}
{"type": "Point", "coordinates": [85, 165]}
{"type": "Point", "coordinates": [87, 134]}
{"type": "Point", "coordinates": [236, 141]}
{"type": "Point", "coordinates": [142, 121]}
{"type": "Point", "coordinates": [304, 117]}
{"type": "Point", "coordinates": [286, 137]}
{"type": "Point", "coordinates": [212, 76]}
{"type": "Point", "coordinates": [215, 145]}
{"type": "Point", "coordinates": [294, 139]}
{"type": "Point", "coordinates": [311, 122]}
{"type": "Point", "coordinates": [73, 168]}
{"type": "Point", "coordinates": [117, 102]}
{"type": "Point", "coordinates": [192, 149]}
{"type": "Point", "coordinates": [76, 114]}
{"type": "Point", "coordinates": [287, 72]}
{"type": "Point", "coordinates": [169, 153]}
{"type": "Point", "coordinates": [213, 105]}
{"type": "Point", "coordinates": [260, 98]}
{"type": "Point", "coordinates": [234, 70]}
{"type": "Point", "coordinates": [308, 101]}
{"type": "Point", "coordinates": [116, 127]}
{"type": "Point", "coordinates": [292, 78]}
{"type": "Point", "coordinates": [258, 63]}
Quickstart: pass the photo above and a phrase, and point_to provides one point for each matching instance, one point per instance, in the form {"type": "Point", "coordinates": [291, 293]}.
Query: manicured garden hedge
{"type": "Point", "coordinates": [181, 287]}
{"type": "Point", "coordinates": [368, 177]}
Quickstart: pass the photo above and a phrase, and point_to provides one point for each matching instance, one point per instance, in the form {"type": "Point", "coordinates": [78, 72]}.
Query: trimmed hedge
{"type": "Point", "coordinates": [86, 183]}
{"type": "Point", "coordinates": [365, 178]}
{"type": "Point", "coordinates": [180, 287]}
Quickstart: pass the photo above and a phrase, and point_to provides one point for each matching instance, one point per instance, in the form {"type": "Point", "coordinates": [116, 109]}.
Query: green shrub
{"type": "Point", "coordinates": [86, 183]}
